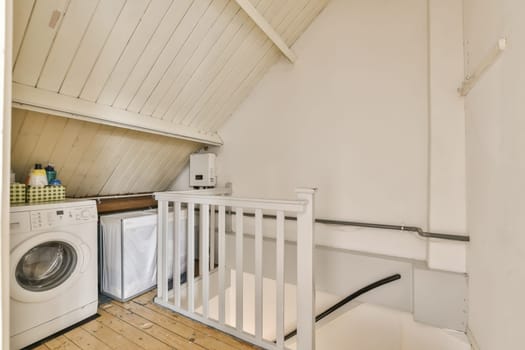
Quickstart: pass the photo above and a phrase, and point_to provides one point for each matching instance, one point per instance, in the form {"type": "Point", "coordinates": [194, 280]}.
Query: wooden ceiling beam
{"type": "Point", "coordinates": [39, 100]}
{"type": "Point", "coordinates": [267, 29]}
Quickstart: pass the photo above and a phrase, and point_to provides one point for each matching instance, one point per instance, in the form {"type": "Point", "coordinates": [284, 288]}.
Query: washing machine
{"type": "Point", "coordinates": [53, 277]}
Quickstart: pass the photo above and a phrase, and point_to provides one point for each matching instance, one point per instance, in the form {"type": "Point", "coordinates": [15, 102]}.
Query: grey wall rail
{"type": "Point", "coordinates": [415, 229]}
{"type": "Point", "coordinates": [418, 230]}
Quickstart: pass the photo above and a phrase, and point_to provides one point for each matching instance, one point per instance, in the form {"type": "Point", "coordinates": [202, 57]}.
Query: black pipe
{"type": "Point", "coordinates": [348, 299]}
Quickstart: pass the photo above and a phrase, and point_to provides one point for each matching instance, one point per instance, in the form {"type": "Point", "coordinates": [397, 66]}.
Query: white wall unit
{"type": "Point", "coordinates": [496, 168]}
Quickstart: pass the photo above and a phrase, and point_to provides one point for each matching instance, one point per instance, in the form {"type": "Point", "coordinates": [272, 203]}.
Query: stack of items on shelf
{"type": "Point", "coordinates": [41, 185]}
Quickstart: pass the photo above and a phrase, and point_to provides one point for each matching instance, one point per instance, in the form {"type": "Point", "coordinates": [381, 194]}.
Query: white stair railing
{"type": "Point", "coordinates": [192, 298]}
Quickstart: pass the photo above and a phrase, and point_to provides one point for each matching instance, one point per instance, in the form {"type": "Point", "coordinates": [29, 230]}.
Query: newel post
{"type": "Point", "coordinates": [305, 272]}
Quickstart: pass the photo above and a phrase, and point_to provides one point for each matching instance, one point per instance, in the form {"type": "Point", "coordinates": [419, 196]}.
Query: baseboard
{"type": "Point", "coordinates": [472, 339]}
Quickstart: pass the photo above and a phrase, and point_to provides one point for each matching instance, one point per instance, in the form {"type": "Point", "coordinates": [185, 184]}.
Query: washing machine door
{"type": "Point", "coordinates": [46, 265]}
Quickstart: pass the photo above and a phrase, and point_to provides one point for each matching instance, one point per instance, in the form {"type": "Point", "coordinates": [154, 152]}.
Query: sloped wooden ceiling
{"type": "Point", "coordinates": [96, 159]}
{"type": "Point", "coordinates": [174, 67]}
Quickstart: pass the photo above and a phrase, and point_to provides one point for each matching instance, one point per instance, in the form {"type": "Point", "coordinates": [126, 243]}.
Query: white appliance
{"type": "Point", "coordinates": [53, 277]}
{"type": "Point", "coordinates": [128, 246]}
{"type": "Point", "coordinates": [202, 170]}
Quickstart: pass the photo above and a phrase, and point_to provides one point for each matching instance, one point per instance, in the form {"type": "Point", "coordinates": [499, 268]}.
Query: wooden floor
{"type": "Point", "coordinates": [141, 324]}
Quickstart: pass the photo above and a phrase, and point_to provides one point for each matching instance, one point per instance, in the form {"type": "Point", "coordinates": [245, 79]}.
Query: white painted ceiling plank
{"type": "Point", "coordinates": [38, 99]}
{"type": "Point", "coordinates": [129, 141]}
{"type": "Point", "coordinates": [111, 185]}
{"type": "Point", "coordinates": [175, 164]}
{"type": "Point", "coordinates": [290, 35]}
{"type": "Point", "coordinates": [223, 110]}
{"type": "Point", "coordinates": [86, 155]}
{"type": "Point", "coordinates": [67, 169]}
{"type": "Point", "coordinates": [22, 10]}
{"type": "Point", "coordinates": [233, 66]}
{"type": "Point", "coordinates": [149, 56]}
{"type": "Point", "coordinates": [204, 49]}
{"type": "Point", "coordinates": [18, 117]}
{"type": "Point", "coordinates": [171, 149]}
{"type": "Point", "coordinates": [127, 179]}
{"type": "Point", "coordinates": [208, 84]}
{"type": "Point", "coordinates": [104, 164]}
{"type": "Point", "coordinates": [223, 83]}
{"type": "Point", "coordinates": [236, 71]}
{"type": "Point", "coordinates": [25, 145]}
{"type": "Point", "coordinates": [212, 14]}
{"type": "Point", "coordinates": [304, 20]}
{"type": "Point", "coordinates": [66, 140]}
{"type": "Point", "coordinates": [107, 161]}
{"type": "Point", "coordinates": [88, 161]}
{"type": "Point", "coordinates": [154, 16]}
{"type": "Point", "coordinates": [40, 32]}
{"type": "Point", "coordinates": [47, 140]}
{"type": "Point", "coordinates": [92, 43]}
{"type": "Point", "coordinates": [184, 30]}
{"type": "Point", "coordinates": [149, 165]}
{"type": "Point", "coordinates": [121, 33]}
{"type": "Point", "coordinates": [263, 24]}
{"type": "Point", "coordinates": [74, 24]}
{"type": "Point", "coordinates": [170, 168]}
{"type": "Point", "coordinates": [228, 43]}
{"type": "Point", "coordinates": [295, 23]}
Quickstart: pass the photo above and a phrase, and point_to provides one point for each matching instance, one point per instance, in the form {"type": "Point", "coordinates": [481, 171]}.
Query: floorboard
{"type": "Point", "coordinates": [141, 324]}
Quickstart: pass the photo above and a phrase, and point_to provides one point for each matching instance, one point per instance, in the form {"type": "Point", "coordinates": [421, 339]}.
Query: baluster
{"type": "Point", "coordinates": [176, 252]}
{"type": "Point", "coordinates": [279, 279]}
{"type": "Point", "coordinates": [205, 256]}
{"type": "Point", "coordinates": [213, 224]}
{"type": "Point", "coordinates": [190, 270]}
{"type": "Point", "coordinates": [239, 268]}
{"type": "Point", "coordinates": [258, 274]}
{"type": "Point", "coordinates": [162, 255]}
{"type": "Point", "coordinates": [222, 261]}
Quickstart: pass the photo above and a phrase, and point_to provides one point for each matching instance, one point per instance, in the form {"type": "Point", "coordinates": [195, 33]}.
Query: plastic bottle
{"type": "Point", "coordinates": [38, 177]}
{"type": "Point", "coordinates": [50, 173]}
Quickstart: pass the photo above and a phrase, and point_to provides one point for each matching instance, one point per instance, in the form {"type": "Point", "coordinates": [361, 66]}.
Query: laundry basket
{"type": "Point", "coordinates": [128, 252]}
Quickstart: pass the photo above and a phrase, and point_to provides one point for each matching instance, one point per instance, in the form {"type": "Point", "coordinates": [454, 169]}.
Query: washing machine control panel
{"type": "Point", "coordinates": [46, 219]}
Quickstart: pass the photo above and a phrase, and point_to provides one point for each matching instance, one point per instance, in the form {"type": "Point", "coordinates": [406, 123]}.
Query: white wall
{"type": "Point", "coordinates": [495, 111]}
{"type": "Point", "coordinates": [352, 117]}
{"type": "Point", "coordinates": [349, 117]}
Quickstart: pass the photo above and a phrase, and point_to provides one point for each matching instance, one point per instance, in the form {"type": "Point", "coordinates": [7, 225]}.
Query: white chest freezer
{"type": "Point", "coordinates": [128, 252]}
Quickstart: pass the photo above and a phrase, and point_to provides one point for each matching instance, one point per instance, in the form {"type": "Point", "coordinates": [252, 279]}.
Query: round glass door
{"type": "Point", "coordinates": [46, 266]}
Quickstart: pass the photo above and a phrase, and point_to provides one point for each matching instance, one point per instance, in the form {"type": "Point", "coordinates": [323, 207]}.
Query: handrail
{"type": "Point", "coordinates": [348, 299]}
{"type": "Point", "coordinates": [415, 229]}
